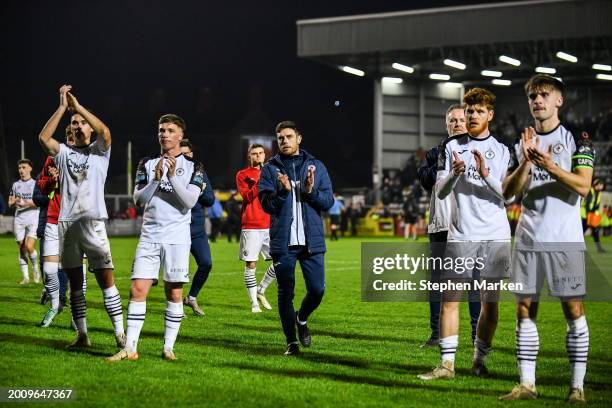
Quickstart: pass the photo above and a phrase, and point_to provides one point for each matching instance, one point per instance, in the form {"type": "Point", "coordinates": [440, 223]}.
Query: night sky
{"type": "Point", "coordinates": [210, 62]}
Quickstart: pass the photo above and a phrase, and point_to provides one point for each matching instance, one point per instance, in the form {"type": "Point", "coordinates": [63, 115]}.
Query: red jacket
{"type": "Point", "coordinates": [253, 215]}
{"type": "Point", "coordinates": [50, 187]}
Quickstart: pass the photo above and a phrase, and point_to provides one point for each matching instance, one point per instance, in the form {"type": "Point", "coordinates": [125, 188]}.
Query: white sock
{"type": "Point", "coordinates": [448, 348]}
{"type": "Point", "coordinates": [23, 264]}
{"type": "Point", "coordinates": [191, 297]}
{"type": "Point", "coordinates": [251, 284]}
{"type": "Point", "coordinates": [112, 304]}
{"type": "Point", "coordinates": [78, 307]}
{"type": "Point", "coordinates": [481, 350]}
{"type": "Point", "coordinates": [52, 282]}
{"type": "Point", "coordinates": [267, 279]}
{"type": "Point", "coordinates": [174, 315]}
{"type": "Point", "coordinates": [527, 347]}
{"type": "Point", "coordinates": [135, 319]}
{"type": "Point", "coordinates": [577, 344]}
{"type": "Point", "coordinates": [35, 267]}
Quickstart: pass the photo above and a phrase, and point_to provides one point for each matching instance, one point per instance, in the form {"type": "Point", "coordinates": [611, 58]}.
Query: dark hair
{"type": "Point", "coordinates": [255, 146]}
{"type": "Point", "coordinates": [455, 106]}
{"type": "Point", "coordinates": [287, 124]}
{"type": "Point", "coordinates": [25, 161]}
{"type": "Point", "coordinates": [542, 81]}
{"type": "Point", "coordinates": [172, 118]}
{"type": "Point", "coordinates": [186, 143]}
{"type": "Point", "coordinates": [480, 96]}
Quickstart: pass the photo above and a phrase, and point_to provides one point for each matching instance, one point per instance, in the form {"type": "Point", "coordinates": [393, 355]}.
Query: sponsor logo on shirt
{"type": "Point", "coordinates": [165, 186]}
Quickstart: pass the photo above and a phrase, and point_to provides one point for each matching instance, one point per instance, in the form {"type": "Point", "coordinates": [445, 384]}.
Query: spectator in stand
{"type": "Point", "coordinates": [411, 213]}
{"type": "Point", "coordinates": [355, 213]}
{"type": "Point", "coordinates": [334, 217]}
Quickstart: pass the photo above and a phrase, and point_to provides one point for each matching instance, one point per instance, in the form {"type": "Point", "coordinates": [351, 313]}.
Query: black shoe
{"type": "Point", "coordinates": [44, 297]}
{"type": "Point", "coordinates": [292, 350]}
{"type": "Point", "coordinates": [432, 342]}
{"type": "Point", "coordinates": [479, 369]}
{"type": "Point", "coordinates": [303, 333]}
{"type": "Point", "coordinates": [62, 304]}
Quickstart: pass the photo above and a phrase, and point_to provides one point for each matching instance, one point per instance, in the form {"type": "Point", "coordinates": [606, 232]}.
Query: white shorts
{"type": "Point", "coordinates": [51, 246]}
{"type": "Point", "coordinates": [84, 237]}
{"type": "Point", "coordinates": [173, 258]}
{"type": "Point", "coordinates": [24, 230]}
{"type": "Point", "coordinates": [564, 272]}
{"type": "Point", "coordinates": [478, 259]}
{"type": "Point", "coordinates": [254, 242]}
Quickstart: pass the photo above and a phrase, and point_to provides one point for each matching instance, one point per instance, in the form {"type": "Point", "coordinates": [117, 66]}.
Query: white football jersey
{"type": "Point", "coordinates": [82, 176]}
{"type": "Point", "coordinates": [550, 212]}
{"type": "Point", "coordinates": [477, 213]}
{"type": "Point", "coordinates": [23, 190]}
{"type": "Point", "coordinates": [164, 220]}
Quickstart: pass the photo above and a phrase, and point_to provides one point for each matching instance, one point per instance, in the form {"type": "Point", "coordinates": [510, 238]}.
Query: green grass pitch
{"type": "Point", "coordinates": [363, 354]}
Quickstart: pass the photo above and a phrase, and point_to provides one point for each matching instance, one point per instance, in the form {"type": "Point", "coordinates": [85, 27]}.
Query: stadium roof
{"type": "Point", "coordinates": [532, 32]}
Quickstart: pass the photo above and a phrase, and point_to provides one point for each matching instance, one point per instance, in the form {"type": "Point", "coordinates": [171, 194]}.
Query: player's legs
{"type": "Point", "coordinates": [29, 245]}
{"type": "Point", "coordinates": [78, 305]}
{"type": "Point", "coordinates": [50, 266]}
{"type": "Point", "coordinates": [285, 278]}
{"type": "Point", "coordinates": [485, 330]}
{"type": "Point", "coordinates": [270, 274]}
{"type": "Point", "coordinates": [449, 337]}
{"type": "Point", "coordinates": [577, 345]}
{"type": "Point", "coordinates": [95, 245]}
{"type": "Point", "coordinates": [23, 263]}
{"type": "Point", "coordinates": [437, 246]}
{"type": "Point", "coordinates": [250, 247]}
{"type": "Point", "coordinates": [200, 249]}
{"type": "Point", "coordinates": [201, 253]}
{"type": "Point", "coordinates": [449, 328]}
{"type": "Point", "coordinates": [527, 348]}
{"type": "Point", "coordinates": [172, 317]}
{"type": "Point", "coordinates": [137, 309]}
{"type": "Point", "coordinates": [175, 261]}
{"type": "Point", "coordinates": [313, 269]}
{"type": "Point", "coordinates": [20, 234]}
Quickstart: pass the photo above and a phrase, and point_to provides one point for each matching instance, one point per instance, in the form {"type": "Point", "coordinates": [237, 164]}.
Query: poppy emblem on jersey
{"type": "Point", "coordinates": [558, 148]}
{"type": "Point", "coordinates": [180, 171]}
{"type": "Point", "coordinates": [489, 154]}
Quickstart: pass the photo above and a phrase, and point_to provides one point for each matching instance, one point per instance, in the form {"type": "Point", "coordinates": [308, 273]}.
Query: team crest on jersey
{"type": "Point", "coordinates": [489, 154]}
{"type": "Point", "coordinates": [558, 148]}
{"type": "Point", "coordinates": [312, 167]}
{"type": "Point", "coordinates": [180, 171]}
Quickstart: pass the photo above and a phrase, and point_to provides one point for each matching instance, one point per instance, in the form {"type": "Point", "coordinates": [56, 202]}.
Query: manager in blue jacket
{"type": "Point", "coordinates": [294, 188]}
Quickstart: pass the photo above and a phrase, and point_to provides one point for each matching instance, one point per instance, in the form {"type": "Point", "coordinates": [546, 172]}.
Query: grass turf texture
{"type": "Point", "coordinates": [363, 354]}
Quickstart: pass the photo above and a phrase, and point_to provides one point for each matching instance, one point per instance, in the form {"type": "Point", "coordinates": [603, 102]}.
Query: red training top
{"type": "Point", "coordinates": [253, 215]}
{"type": "Point", "coordinates": [50, 187]}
